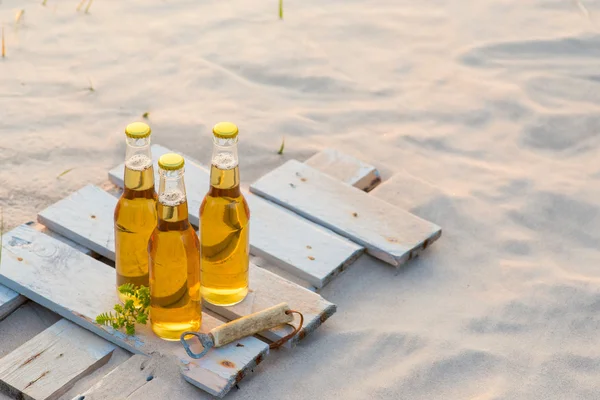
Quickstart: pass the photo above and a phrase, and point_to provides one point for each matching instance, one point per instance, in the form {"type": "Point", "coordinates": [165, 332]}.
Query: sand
{"type": "Point", "coordinates": [487, 112]}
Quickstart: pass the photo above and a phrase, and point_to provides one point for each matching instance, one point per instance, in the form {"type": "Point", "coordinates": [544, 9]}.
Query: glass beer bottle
{"type": "Point", "coordinates": [224, 224]}
{"type": "Point", "coordinates": [174, 258]}
{"type": "Point", "coordinates": [135, 213]}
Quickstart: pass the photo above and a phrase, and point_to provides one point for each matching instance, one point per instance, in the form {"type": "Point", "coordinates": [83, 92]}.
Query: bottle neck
{"type": "Point", "coordinates": [172, 201]}
{"type": "Point", "coordinates": [139, 173]}
{"type": "Point", "coordinates": [137, 147]}
{"type": "Point", "coordinates": [224, 171]}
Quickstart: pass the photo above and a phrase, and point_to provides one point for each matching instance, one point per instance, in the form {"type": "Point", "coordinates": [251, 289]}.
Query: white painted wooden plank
{"type": "Point", "coordinates": [89, 213]}
{"type": "Point", "coordinates": [142, 378]}
{"type": "Point", "coordinates": [78, 288]}
{"type": "Point", "coordinates": [48, 365]}
{"type": "Point", "coordinates": [296, 245]}
{"type": "Point", "coordinates": [9, 301]}
{"type": "Point", "coordinates": [41, 228]}
{"type": "Point", "coordinates": [387, 232]}
{"type": "Point", "coordinates": [346, 168]}
{"type": "Point", "coordinates": [267, 289]}
{"type": "Point", "coordinates": [302, 248]}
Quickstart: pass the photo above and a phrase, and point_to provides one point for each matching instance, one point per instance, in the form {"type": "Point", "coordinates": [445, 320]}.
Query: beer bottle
{"type": "Point", "coordinates": [174, 258]}
{"type": "Point", "coordinates": [224, 224]}
{"type": "Point", "coordinates": [135, 213]}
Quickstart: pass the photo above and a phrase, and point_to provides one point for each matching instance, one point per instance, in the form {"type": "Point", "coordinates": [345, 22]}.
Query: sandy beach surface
{"type": "Point", "coordinates": [484, 117]}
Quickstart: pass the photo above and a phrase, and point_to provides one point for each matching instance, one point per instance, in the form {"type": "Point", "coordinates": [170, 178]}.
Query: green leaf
{"type": "Point", "coordinates": [142, 318]}
{"type": "Point", "coordinates": [127, 314]}
{"type": "Point", "coordinates": [144, 296]}
{"type": "Point", "coordinates": [281, 147]}
{"type": "Point", "coordinates": [145, 115]}
{"type": "Point", "coordinates": [127, 288]}
{"type": "Point", "coordinates": [101, 319]}
{"type": "Point", "coordinates": [280, 9]}
{"type": "Point", "coordinates": [65, 172]}
{"type": "Point", "coordinates": [129, 305]}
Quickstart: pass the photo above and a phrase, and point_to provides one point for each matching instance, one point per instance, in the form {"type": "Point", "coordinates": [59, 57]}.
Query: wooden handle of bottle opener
{"type": "Point", "coordinates": [251, 324]}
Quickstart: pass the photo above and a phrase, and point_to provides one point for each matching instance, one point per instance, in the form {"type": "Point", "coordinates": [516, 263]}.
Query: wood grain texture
{"type": "Point", "coordinates": [302, 248]}
{"type": "Point", "coordinates": [251, 324]}
{"type": "Point", "coordinates": [48, 365]}
{"type": "Point", "coordinates": [10, 300]}
{"type": "Point", "coordinates": [154, 377]}
{"type": "Point", "coordinates": [78, 288]}
{"type": "Point", "coordinates": [124, 380]}
{"type": "Point", "coordinates": [41, 228]}
{"type": "Point", "coordinates": [266, 289]}
{"type": "Point", "coordinates": [346, 168]}
{"type": "Point", "coordinates": [388, 233]}
{"type": "Point", "coordinates": [89, 213]}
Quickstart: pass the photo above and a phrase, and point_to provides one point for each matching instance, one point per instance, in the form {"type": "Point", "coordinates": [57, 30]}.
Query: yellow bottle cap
{"type": "Point", "coordinates": [225, 130]}
{"type": "Point", "coordinates": [170, 162]}
{"type": "Point", "coordinates": [137, 130]}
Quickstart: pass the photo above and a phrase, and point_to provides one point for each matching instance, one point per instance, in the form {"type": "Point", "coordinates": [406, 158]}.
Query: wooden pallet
{"type": "Point", "coordinates": [63, 269]}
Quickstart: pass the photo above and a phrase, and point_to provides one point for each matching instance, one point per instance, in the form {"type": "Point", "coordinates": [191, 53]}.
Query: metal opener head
{"type": "Point", "coordinates": [206, 340]}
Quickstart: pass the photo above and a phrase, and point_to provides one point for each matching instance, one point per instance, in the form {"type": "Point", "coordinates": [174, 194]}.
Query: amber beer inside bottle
{"type": "Point", "coordinates": [174, 258]}
{"type": "Point", "coordinates": [224, 225]}
{"type": "Point", "coordinates": [135, 213]}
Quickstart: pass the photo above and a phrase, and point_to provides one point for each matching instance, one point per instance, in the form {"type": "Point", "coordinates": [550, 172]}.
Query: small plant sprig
{"type": "Point", "coordinates": [127, 315]}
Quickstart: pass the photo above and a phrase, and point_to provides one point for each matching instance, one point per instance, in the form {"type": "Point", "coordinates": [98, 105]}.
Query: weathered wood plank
{"type": "Point", "coordinates": [346, 168]}
{"type": "Point", "coordinates": [9, 301]}
{"type": "Point", "coordinates": [48, 365]}
{"type": "Point", "coordinates": [302, 248]}
{"type": "Point", "coordinates": [388, 233]}
{"type": "Point", "coordinates": [122, 381]}
{"type": "Point", "coordinates": [41, 228]}
{"type": "Point", "coordinates": [89, 214]}
{"type": "Point", "coordinates": [267, 290]}
{"type": "Point", "coordinates": [142, 378]}
{"type": "Point", "coordinates": [78, 288]}
{"type": "Point", "coordinates": [71, 218]}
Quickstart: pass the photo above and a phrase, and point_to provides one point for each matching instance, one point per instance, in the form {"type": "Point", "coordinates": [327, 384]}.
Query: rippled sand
{"type": "Point", "coordinates": [484, 117]}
